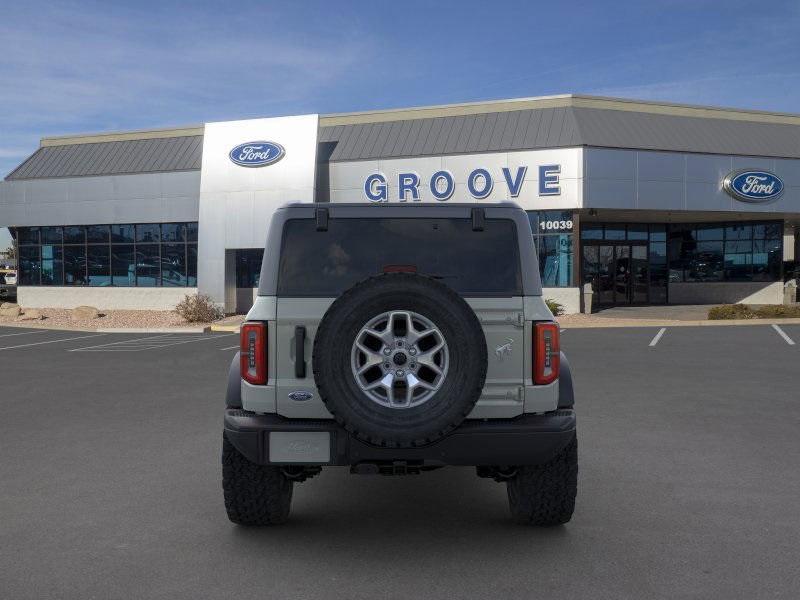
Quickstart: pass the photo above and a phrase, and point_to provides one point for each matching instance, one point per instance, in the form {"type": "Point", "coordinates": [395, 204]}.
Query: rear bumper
{"type": "Point", "coordinates": [525, 440]}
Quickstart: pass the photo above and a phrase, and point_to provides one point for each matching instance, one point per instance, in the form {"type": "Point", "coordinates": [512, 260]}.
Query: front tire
{"type": "Point", "coordinates": [544, 495]}
{"type": "Point", "coordinates": [254, 494]}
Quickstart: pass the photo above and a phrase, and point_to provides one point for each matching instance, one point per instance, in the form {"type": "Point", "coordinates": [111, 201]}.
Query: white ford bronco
{"type": "Point", "coordinates": [398, 339]}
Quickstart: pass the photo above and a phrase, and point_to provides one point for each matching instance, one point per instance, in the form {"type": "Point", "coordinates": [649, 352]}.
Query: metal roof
{"type": "Point", "coordinates": [677, 133]}
{"type": "Point", "coordinates": [182, 153]}
{"type": "Point", "coordinates": [504, 125]}
{"type": "Point", "coordinates": [560, 127]}
{"type": "Point", "coordinates": [489, 132]}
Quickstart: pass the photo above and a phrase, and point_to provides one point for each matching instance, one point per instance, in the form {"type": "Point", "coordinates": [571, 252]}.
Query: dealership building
{"type": "Point", "coordinates": [650, 203]}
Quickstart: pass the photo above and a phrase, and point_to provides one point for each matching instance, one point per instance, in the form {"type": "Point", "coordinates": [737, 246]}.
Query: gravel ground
{"type": "Point", "coordinates": [55, 318]}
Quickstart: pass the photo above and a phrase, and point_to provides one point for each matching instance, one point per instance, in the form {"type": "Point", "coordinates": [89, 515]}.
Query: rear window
{"type": "Point", "coordinates": [326, 263]}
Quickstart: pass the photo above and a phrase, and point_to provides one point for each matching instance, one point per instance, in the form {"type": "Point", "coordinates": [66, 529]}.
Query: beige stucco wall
{"type": "Point", "coordinates": [108, 298]}
{"type": "Point", "coordinates": [726, 292]}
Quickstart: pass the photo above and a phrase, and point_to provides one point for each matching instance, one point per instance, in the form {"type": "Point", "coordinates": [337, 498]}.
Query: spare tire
{"type": "Point", "coordinates": [400, 360]}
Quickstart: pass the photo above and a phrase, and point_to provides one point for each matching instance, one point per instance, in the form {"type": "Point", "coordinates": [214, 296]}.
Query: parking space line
{"type": "Point", "coordinates": [149, 343]}
{"type": "Point", "coordinates": [782, 333]}
{"type": "Point", "coordinates": [83, 337]}
{"type": "Point", "coordinates": [25, 333]}
{"type": "Point", "coordinates": [231, 347]}
{"type": "Point", "coordinates": [658, 336]}
{"type": "Point", "coordinates": [122, 342]}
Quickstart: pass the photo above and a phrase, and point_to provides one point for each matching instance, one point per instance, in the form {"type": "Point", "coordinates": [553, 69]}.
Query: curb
{"type": "Point", "coordinates": [226, 328]}
{"type": "Point", "coordinates": [38, 325]}
{"type": "Point", "coordinates": [609, 323]}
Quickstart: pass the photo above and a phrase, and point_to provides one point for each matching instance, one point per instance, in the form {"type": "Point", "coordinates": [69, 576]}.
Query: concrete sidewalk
{"type": "Point", "coordinates": [659, 316]}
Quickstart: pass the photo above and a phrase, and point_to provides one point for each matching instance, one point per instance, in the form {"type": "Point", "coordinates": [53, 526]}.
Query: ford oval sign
{"type": "Point", "coordinates": [753, 186]}
{"type": "Point", "coordinates": [257, 154]}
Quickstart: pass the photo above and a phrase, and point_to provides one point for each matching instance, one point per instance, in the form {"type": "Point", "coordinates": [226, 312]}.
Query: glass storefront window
{"type": "Point", "coordinates": [555, 260]}
{"type": "Point", "coordinates": [173, 265]}
{"type": "Point", "coordinates": [74, 235]}
{"type": "Point", "coordinates": [27, 235]}
{"type": "Point", "coordinates": [614, 231]}
{"type": "Point", "coordinates": [98, 260]}
{"type": "Point", "coordinates": [248, 267]}
{"type": "Point", "coordinates": [148, 265]}
{"type": "Point", "coordinates": [553, 232]}
{"type": "Point", "coordinates": [51, 235]}
{"type": "Point", "coordinates": [52, 265]}
{"type": "Point", "coordinates": [745, 251]}
{"type": "Point", "coordinates": [75, 265]}
{"type": "Point", "coordinates": [637, 232]}
{"type": "Point", "coordinates": [148, 233]}
{"type": "Point", "coordinates": [191, 270]}
{"type": "Point", "coordinates": [173, 232]}
{"type": "Point", "coordinates": [109, 255]}
{"type": "Point", "coordinates": [30, 264]}
{"type": "Point", "coordinates": [122, 234]}
{"type": "Point", "coordinates": [97, 234]}
{"type": "Point", "coordinates": [123, 265]}
{"type": "Point", "coordinates": [591, 231]}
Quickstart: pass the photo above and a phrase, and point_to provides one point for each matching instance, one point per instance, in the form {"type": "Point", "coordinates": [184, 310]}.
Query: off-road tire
{"type": "Point", "coordinates": [544, 495]}
{"type": "Point", "coordinates": [418, 425]}
{"type": "Point", "coordinates": [254, 494]}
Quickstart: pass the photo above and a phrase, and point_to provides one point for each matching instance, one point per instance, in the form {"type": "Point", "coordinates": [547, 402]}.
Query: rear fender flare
{"type": "Point", "coordinates": [566, 394]}
{"type": "Point", "coordinates": [233, 394]}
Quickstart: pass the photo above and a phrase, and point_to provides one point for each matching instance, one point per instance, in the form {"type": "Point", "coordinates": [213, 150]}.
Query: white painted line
{"type": "Point", "coordinates": [237, 346]}
{"type": "Point", "coordinates": [658, 336]}
{"type": "Point", "coordinates": [26, 332]}
{"type": "Point", "coordinates": [155, 343]}
{"type": "Point", "coordinates": [782, 333]}
{"type": "Point", "coordinates": [121, 342]}
{"type": "Point", "coordinates": [83, 337]}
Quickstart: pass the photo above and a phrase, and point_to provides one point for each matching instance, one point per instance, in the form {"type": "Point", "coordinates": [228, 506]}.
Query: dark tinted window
{"type": "Point", "coordinates": [327, 263]}
{"type": "Point", "coordinates": [173, 265]}
{"type": "Point", "coordinates": [97, 234]}
{"type": "Point", "coordinates": [28, 235]}
{"type": "Point", "coordinates": [122, 234]}
{"type": "Point", "coordinates": [74, 235]}
{"type": "Point", "coordinates": [123, 265]}
{"type": "Point", "coordinates": [148, 265]}
{"type": "Point", "coordinates": [51, 235]}
{"type": "Point", "coordinates": [148, 232]}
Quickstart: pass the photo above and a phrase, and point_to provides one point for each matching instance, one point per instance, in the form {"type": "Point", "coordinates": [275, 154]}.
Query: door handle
{"type": "Point", "coordinates": [300, 352]}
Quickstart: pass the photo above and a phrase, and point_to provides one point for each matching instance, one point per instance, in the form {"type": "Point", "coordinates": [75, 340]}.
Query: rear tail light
{"type": "Point", "coordinates": [546, 353]}
{"type": "Point", "coordinates": [253, 355]}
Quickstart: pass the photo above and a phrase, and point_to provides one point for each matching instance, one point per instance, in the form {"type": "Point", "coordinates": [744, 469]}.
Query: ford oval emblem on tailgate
{"type": "Point", "coordinates": [301, 396]}
{"type": "Point", "coordinates": [257, 154]}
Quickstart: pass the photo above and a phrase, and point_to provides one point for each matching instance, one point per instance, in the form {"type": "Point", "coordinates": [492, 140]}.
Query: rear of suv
{"type": "Point", "coordinates": [396, 339]}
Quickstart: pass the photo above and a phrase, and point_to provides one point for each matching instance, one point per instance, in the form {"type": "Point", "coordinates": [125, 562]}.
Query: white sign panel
{"type": "Point", "coordinates": [250, 168]}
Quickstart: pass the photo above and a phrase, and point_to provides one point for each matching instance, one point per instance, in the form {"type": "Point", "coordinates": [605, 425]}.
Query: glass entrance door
{"type": "Point", "coordinates": [618, 272]}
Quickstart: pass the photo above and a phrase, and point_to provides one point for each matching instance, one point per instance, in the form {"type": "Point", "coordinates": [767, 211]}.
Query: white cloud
{"type": "Point", "coordinates": [70, 68]}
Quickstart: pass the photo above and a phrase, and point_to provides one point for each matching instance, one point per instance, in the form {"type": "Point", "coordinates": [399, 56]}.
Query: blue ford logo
{"type": "Point", "coordinates": [753, 186]}
{"type": "Point", "coordinates": [257, 154]}
{"type": "Point", "coordinates": [300, 396]}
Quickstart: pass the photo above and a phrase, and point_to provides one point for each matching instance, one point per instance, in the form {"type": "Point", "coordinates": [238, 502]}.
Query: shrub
{"type": "Point", "coordinates": [198, 308]}
{"type": "Point", "coordinates": [731, 311]}
{"type": "Point", "coordinates": [778, 311]}
{"type": "Point", "coordinates": [555, 307]}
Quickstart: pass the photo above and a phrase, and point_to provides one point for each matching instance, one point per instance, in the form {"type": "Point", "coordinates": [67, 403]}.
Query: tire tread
{"type": "Point", "coordinates": [254, 494]}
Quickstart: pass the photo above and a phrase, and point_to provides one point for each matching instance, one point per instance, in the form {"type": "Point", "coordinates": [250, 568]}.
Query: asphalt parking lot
{"type": "Point", "coordinates": [688, 484]}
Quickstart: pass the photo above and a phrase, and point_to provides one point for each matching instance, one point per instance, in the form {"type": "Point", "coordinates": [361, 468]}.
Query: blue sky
{"type": "Point", "coordinates": [74, 67]}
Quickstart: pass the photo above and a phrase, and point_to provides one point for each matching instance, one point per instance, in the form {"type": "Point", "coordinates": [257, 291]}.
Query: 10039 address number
{"type": "Point", "coordinates": [556, 225]}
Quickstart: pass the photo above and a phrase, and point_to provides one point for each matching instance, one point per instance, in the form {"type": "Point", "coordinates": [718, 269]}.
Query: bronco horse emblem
{"type": "Point", "coordinates": [504, 350]}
